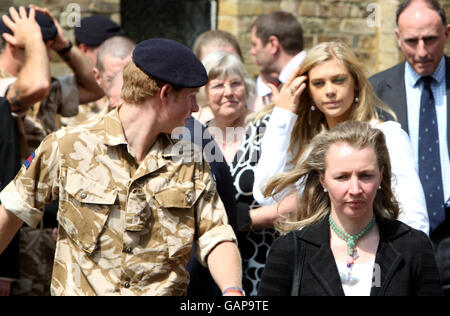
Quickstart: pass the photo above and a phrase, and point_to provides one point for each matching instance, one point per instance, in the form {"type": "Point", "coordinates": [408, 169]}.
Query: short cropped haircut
{"type": "Point", "coordinates": [284, 26]}
{"type": "Point", "coordinates": [117, 46]}
{"type": "Point", "coordinates": [221, 65]}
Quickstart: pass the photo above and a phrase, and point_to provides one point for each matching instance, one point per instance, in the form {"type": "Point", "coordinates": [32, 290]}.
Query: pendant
{"type": "Point", "coordinates": [355, 254]}
{"type": "Point", "coordinates": [350, 261]}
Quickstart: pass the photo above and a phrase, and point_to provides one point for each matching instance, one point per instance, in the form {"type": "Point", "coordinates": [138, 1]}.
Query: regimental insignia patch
{"type": "Point", "coordinates": [27, 162]}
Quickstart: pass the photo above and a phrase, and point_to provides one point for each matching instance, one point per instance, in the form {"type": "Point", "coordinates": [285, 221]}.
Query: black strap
{"type": "Point", "coordinates": [299, 258]}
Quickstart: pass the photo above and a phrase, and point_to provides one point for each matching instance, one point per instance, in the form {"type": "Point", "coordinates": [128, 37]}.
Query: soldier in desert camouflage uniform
{"type": "Point", "coordinates": [130, 206]}
{"type": "Point", "coordinates": [35, 106]}
{"type": "Point", "coordinates": [36, 117]}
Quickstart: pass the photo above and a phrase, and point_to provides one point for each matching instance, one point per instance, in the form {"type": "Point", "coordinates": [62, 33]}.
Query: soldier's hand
{"type": "Point", "coordinates": [24, 28]}
{"type": "Point", "coordinates": [60, 41]}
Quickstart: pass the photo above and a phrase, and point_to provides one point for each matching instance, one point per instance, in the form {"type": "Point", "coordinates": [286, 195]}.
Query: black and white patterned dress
{"type": "Point", "coordinates": [253, 245]}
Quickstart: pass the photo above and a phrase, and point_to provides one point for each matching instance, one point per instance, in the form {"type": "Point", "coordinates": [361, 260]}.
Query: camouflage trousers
{"type": "Point", "coordinates": [36, 255]}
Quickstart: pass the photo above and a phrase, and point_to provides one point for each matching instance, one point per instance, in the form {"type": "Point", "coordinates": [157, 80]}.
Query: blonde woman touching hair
{"type": "Point", "coordinates": [329, 88]}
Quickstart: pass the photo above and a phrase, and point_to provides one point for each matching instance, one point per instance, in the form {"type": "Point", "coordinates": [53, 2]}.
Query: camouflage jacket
{"type": "Point", "coordinates": [41, 118]}
{"type": "Point", "coordinates": [86, 112]}
{"type": "Point", "coordinates": [125, 228]}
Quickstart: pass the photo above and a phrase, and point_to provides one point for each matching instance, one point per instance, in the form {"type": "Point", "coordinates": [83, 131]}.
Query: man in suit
{"type": "Point", "coordinates": [277, 48]}
{"type": "Point", "coordinates": [424, 78]}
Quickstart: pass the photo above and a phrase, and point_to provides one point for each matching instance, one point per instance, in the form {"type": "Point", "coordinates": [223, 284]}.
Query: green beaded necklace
{"type": "Point", "coordinates": [350, 239]}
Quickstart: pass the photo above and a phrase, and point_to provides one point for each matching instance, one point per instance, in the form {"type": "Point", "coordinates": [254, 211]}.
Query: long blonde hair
{"type": "Point", "coordinates": [309, 123]}
{"type": "Point", "coordinates": [314, 203]}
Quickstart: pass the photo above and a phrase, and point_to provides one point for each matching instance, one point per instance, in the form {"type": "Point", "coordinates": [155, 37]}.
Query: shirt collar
{"type": "Point", "coordinates": [113, 130]}
{"type": "Point", "coordinates": [113, 136]}
{"type": "Point", "coordinates": [291, 66]}
{"type": "Point", "coordinates": [412, 77]}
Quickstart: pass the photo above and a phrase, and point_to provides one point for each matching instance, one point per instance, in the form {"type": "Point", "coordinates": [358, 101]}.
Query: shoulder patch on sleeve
{"type": "Point", "coordinates": [27, 162]}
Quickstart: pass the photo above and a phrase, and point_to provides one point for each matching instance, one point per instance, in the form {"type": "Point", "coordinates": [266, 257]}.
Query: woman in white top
{"type": "Point", "coordinates": [330, 87]}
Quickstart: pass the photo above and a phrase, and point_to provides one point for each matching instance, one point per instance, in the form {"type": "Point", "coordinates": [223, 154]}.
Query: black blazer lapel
{"type": "Point", "coordinates": [322, 264]}
{"type": "Point", "coordinates": [327, 276]}
{"type": "Point", "coordinates": [387, 259]}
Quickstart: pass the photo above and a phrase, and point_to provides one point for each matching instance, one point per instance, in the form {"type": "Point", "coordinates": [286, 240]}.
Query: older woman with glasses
{"type": "Point", "coordinates": [238, 137]}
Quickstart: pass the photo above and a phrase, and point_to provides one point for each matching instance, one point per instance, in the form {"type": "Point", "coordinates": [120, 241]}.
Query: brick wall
{"type": "Point", "coordinates": [366, 25]}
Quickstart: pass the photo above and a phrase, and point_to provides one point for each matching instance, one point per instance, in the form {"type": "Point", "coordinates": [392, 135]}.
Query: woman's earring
{"type": "Point", "coordinates": [379, 187]}
{"type": "Point", "coordinates": [325, 190]}
{"type": "Point", "coordinates": [356, 99]}
{"type": "Point", "coordinates": [312, 109]}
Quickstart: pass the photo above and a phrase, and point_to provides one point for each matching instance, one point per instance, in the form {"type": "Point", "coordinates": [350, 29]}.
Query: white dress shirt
{"type": "Point", "coordinates": [262, 89]}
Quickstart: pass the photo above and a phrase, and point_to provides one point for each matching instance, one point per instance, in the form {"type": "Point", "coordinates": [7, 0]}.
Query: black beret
{"type": "Point", "coordinates": [170, 62]}
{"type": "Point", "coordinates": [48, 28]}
{"type": "Point", "coordinates": [95, 29]}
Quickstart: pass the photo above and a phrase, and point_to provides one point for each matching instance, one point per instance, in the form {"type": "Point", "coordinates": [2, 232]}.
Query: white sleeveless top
{"type": "Point", "coordinates": [359, 281]}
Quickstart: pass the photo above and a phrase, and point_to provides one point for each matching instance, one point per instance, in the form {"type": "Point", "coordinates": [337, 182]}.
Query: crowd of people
{"type": "Point", "coordinates": [311, 179]}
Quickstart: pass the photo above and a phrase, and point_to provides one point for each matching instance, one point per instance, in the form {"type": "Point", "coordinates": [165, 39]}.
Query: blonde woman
{"type": "Point", "coordinates": [352, 243]}
{"type": "Point", "coordinates": [331, 87]}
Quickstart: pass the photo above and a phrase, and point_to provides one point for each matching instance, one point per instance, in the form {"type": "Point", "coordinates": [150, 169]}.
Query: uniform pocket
{"type": "Point", "coordinates": [177, 217]}
{"type": "Point", "coordinates": [84, 208]}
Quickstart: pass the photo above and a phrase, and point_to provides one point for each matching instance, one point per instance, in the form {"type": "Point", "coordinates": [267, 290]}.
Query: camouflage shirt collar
{"type": "Point", "coordinates": [114, 136]}
{"type": "Point", "coordinates": [113, 131]}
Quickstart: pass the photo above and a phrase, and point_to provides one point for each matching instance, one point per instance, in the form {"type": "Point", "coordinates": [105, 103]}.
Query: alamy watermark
{"type": "Point", "coordinates": [73, 18]}
{"type": "Point", "coordinates": [374, 17]}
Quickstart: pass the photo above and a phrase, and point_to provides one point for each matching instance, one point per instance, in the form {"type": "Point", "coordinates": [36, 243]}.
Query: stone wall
{"type": "Point", "coordinates": [366, 25]}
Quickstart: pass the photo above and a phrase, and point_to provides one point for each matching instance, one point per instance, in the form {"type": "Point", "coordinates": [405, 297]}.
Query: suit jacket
{"type": "Point", "coordinates": [405, 261]}
{"type": "Point", "coordinates": [389, 85]}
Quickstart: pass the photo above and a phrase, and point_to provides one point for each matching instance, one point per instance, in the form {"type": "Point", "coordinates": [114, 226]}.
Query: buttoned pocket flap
{"type": "Point", "coordinates": [175, 197]}
{"type": "Point", "coordinates": [84, 209]}
{"type": "Point", "coordinates": [177, 217]}
{"type": "Point", "coordinates": [88, 190]}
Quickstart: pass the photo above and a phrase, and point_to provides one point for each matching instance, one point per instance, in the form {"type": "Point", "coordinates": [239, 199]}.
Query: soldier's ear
{"type": "Point", "coordinates": [97, 76]}
{"type": "Point", "coordinates": [164, 93]}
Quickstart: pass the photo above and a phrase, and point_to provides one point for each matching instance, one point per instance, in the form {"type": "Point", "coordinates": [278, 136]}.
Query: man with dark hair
{"type": "Point", "coordinates": [277, 48]}
{"type": "Point", "coordinates": [418, 92]}
{"type": "Point", "coordinates": [131, 206]}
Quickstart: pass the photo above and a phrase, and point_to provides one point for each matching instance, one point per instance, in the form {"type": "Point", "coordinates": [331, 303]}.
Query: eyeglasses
{"type": "Point", "coordinates": [218, 86]}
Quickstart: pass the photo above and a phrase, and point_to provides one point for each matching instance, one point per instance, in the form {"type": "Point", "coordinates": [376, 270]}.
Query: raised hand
{"type": "Point", "coordinates": [24, 27]}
